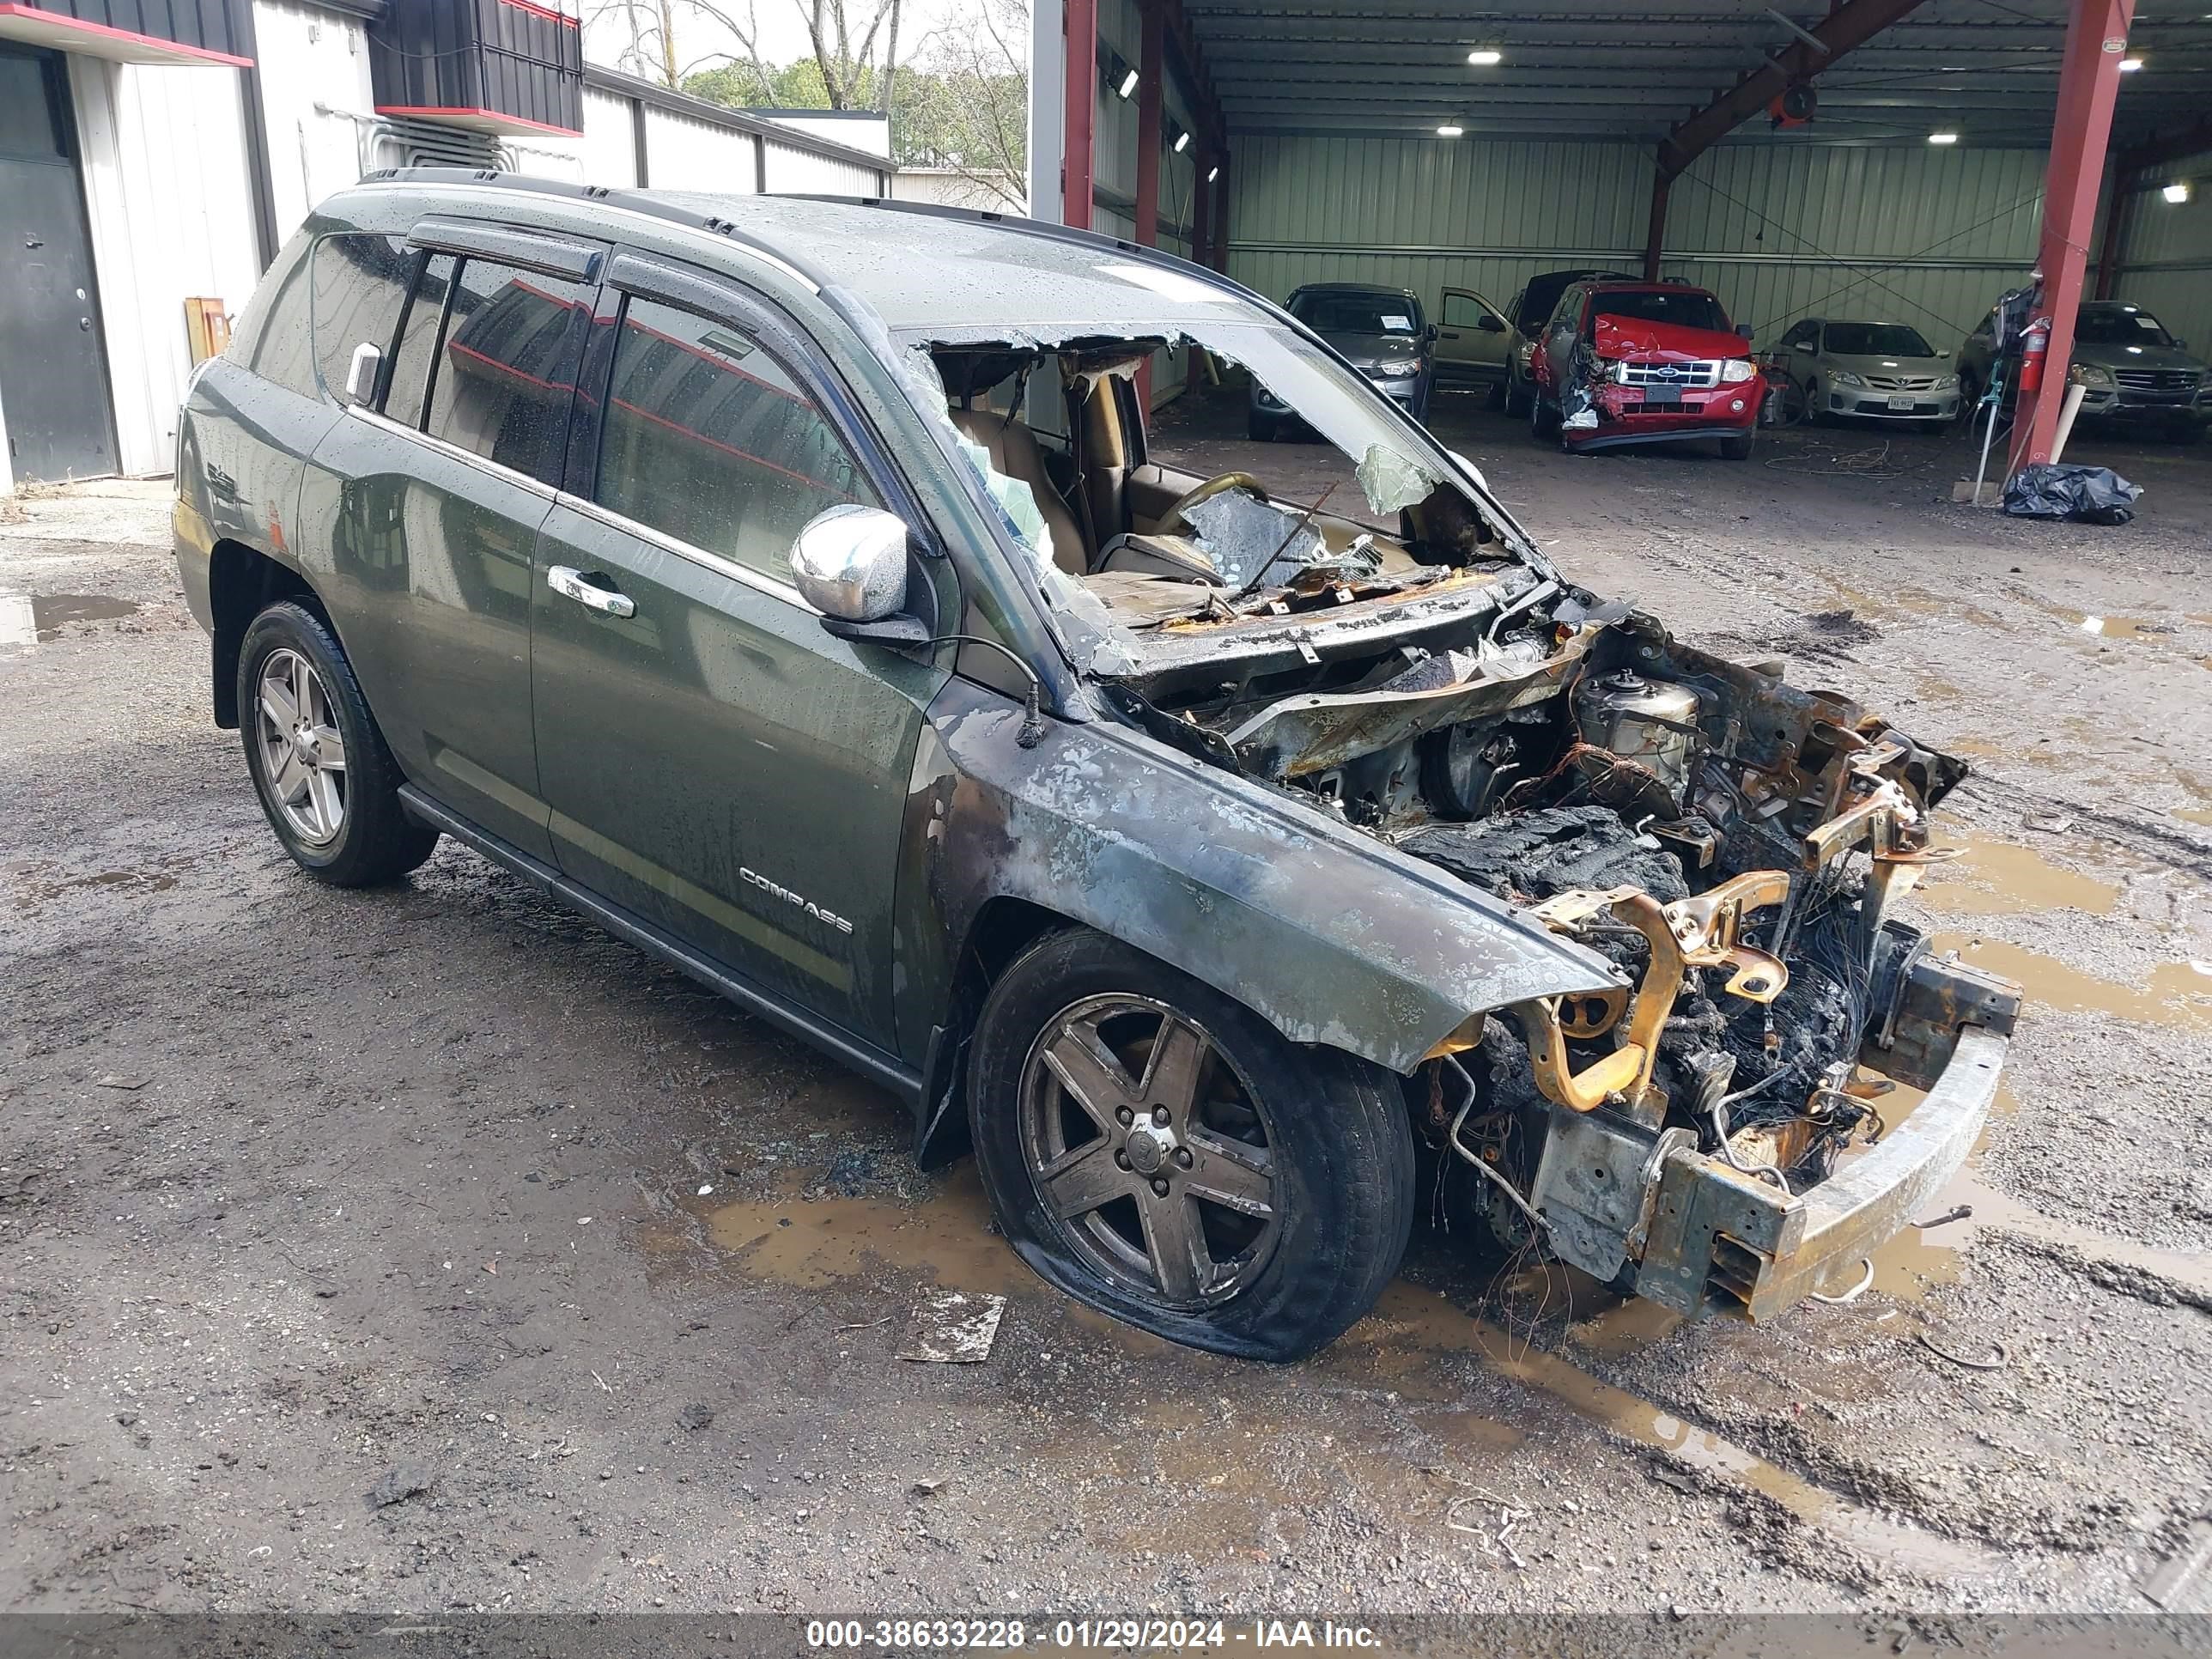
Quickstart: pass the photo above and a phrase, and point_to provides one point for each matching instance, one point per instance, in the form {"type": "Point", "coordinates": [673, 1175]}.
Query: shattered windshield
{"type": "Point", "coordinates": [1130, 529]}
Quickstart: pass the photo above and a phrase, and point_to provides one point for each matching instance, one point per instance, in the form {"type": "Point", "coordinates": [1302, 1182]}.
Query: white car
{"type": "Point", "coordinates": [1882, 371]}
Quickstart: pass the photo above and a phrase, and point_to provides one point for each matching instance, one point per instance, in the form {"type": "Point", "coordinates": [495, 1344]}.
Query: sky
{"type": "Point", "coordinates": [782, 29]}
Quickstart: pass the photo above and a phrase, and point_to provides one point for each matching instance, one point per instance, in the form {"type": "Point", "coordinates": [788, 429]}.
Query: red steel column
{"type": "Point", "coordinates": [2088, 83]}
{"type": "Point", "coordinates": [1081, 17]}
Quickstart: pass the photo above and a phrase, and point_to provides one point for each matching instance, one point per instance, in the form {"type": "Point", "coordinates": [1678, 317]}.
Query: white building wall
{"type": "Point", "coordinates": [171, 218]}
{"type": "Point", "coordinates": [315, 102]}
{"type": "Point", "coordinates": [609, 149]}
{"type": "Point", "coordinates": [800, 172]}
{"type": "Point", "coordinates": [682, 154]}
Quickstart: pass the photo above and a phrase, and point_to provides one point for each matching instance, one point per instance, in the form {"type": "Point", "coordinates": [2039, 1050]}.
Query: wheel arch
{"type": "Point", "coordinates": [1102, 827]}
{"type": "Point", "coordinates": [242, 582]}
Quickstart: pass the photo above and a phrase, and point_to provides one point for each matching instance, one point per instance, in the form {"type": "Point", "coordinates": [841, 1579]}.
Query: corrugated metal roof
{"type": "Point", "coordinates": [1610, 68]}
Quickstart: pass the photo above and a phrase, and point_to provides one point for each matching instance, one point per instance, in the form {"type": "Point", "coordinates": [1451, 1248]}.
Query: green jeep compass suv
{"type": "Point", "coordinates": [795, 588]}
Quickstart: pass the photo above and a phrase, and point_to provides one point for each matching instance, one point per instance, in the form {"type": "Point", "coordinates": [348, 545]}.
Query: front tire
{"type": "Point", "coordinates": [1518, 399]}
{"type": "Point", "coordinates": [1159, 1151]}
{"type": "Point", "coordinates": [326, 781]}
{"type": "Point", "coordinates": [1739, 449]}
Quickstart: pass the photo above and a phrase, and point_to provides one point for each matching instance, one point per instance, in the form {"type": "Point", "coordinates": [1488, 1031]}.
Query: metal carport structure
{"type": "Point", "coordinates": [1279, 115]}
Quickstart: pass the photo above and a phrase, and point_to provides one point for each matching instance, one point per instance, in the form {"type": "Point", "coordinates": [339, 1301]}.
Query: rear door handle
{"type": "Point", "coordinates": [571, 584]}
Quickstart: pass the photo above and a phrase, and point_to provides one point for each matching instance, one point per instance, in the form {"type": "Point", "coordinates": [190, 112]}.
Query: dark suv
{"type": "Point", "coordinates": [1202, 859]}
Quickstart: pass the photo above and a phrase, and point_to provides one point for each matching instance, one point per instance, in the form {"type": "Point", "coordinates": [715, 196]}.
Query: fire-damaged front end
{"type": "Point", "coordinates": [1615, 909]}
{"type": "Point", "coordinates": [1715, 1130]}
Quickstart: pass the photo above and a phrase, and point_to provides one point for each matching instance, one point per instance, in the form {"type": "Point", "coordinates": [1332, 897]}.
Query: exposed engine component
{"type": "Point", "coordinates": [1652, 724]}
{"type": "Point", "coordinates": [1727, 840]}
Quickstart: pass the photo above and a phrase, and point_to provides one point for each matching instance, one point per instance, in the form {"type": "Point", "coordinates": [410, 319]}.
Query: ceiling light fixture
{"type": "Point", "coordinates": [1449, 130]}
{"type": "Point", "coordinates": [1215, 173]}
{"type": "Point", "coordinates": [2130, 65]}
{"type": "Point", "coordinates": [1182, 142]}
{"type": "Point", "coordinates": [1943, 137]}
{"type": "Point", "coordinates": [1485, 57]}
{"type": "Point", "coordinates": [1128, 84]}
{"type": "Point", "coordinates": [2177, 192]}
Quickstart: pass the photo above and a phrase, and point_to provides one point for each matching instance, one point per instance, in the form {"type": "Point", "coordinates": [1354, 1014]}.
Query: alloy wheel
{"type": "Point", "coordinates": [303, 760]}
{"type": "Point", "coordinates": [1151, 1151]}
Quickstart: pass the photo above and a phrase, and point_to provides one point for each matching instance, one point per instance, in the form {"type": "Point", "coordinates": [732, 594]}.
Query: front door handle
{"type": "Point", "coordinates": [572, 584]}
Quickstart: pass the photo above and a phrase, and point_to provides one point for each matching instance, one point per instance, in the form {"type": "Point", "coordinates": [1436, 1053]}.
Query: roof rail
{"type": "Point", "coordinates": [632, 200]}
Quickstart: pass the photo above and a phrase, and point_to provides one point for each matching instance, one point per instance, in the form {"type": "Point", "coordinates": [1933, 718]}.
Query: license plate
{"type": "Point", "coordinates": [1905, 404]}
{"type": "Point", "coordinates": [1663, 397]}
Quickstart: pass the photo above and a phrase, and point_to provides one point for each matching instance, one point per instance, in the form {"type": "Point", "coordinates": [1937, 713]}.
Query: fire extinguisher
{"type": "Point", "coordinates": [2034, 345]}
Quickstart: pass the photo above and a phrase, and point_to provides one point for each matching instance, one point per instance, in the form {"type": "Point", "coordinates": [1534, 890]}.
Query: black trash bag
{"type": "Point", "coordinates": [2080, 495]}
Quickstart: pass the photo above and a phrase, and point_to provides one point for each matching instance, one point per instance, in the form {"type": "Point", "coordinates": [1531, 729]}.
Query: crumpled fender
{"type": "Point", "coordinates": [1330, 935]}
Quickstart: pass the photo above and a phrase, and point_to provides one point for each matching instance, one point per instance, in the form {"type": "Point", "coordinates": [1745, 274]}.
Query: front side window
{"type": "Point", "coordinates": [507, 373]}
{"type": "Point", "coordinates": [1462, 311]}
{"type": "Point", "coordinates": [359, 287]}
{"type": "Point", "coordinates": [710, 439]}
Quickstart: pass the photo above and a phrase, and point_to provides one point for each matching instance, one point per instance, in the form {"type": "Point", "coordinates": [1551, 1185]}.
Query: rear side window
{"type": "Point", "coordinates": [278, 342]}
{"type": "Point", "coordinates": [507, 373]}
{"type": "Point", "coordinates": [409, 377]}
{"type": "Point", "coordinates": [360, 286]}
{"type": "Point", "coordinates": [709, 439]}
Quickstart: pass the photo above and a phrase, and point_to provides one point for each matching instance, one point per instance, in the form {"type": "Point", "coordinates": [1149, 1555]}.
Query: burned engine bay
{"type": "Point", "coordinates": [1727, 842]}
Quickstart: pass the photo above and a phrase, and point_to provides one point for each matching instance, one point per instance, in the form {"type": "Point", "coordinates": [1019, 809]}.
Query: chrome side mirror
{"type": "Point", "coordinates": [362, 372]}
{"type": "Point", "coordinates": [849, 563]}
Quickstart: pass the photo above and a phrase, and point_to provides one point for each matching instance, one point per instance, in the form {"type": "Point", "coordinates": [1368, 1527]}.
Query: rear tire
{"type": "Point", "coordinates": [1518, 399]}
{"type": "Point", "coordinates": [327, 782]}
{"type": "Point", "coordinates": [1544, 421]}
{"type": "Point", "coordinates": [1260, 1195]}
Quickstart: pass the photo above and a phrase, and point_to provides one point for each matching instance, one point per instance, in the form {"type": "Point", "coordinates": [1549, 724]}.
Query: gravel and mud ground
{"type": "Point", "coordinates": [424, 1249]}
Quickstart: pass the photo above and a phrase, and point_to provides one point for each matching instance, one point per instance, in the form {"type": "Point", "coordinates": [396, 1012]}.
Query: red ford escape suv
{"type": "Point", "coordinates": [1631, 362]}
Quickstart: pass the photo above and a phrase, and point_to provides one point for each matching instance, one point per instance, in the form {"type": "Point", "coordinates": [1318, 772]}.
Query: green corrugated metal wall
{"type": "Point", "coordinates": [1920, 235]}
{"type": "Point", "coordinates": [2168, 268]}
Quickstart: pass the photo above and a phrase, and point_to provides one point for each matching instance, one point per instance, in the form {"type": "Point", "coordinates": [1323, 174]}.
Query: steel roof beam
{"type": "Point", "coordinates": [1851, 23]}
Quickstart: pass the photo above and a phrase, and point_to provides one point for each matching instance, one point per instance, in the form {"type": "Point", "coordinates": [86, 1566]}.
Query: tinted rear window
{"type": "Point", "coordinates": [508, 372]}
{"type": "Point", "coordinates": [360, 285]}
{"type": "Point", "coordinates": [1357, 314]}
{"type": "Point", "coordinates": [276, 340]}
{"type": "Point", "coordinates": [410, 374]}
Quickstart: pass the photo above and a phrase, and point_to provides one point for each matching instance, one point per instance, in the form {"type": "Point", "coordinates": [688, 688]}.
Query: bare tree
{"type": "Point", "coordinates": [968, 107]}
{"type": "Point", "coordinates": [652, 28]}
{"type": "Point", "coordinates": [845, 50]}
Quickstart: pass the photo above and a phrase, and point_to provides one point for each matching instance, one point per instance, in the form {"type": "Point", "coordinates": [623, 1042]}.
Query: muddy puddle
{"type": "Point", "coordinates": [31, 618]}
{"type": "Point", "coordinates": [1997, 878]}
{"type": "Point", "coordinates": [2174, 993]}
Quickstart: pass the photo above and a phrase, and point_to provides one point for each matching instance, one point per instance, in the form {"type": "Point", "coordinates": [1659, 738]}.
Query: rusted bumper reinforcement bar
{"type": "Point", "coordinates": [1718, 1239]}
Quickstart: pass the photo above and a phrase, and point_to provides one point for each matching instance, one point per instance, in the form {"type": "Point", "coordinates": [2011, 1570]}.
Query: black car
{"type": "Point", "coordinates": [1204, 861]}
{"type": "Point", "coordinates": [1380, 331]}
